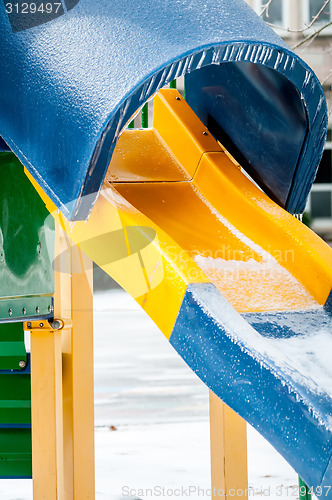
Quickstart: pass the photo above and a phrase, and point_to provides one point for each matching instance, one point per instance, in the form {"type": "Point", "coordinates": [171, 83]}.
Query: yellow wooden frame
{"type": "Point", "coordinates": [62, 393]}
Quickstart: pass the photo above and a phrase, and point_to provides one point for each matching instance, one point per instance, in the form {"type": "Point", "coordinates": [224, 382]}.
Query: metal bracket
{"type": "Point", "coordinates": [54, 324]}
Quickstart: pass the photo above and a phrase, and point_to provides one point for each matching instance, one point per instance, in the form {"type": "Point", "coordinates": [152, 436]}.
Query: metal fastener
{"type": "Point", "coordinates": [178, 98]}
{"type": "Point", "coordinates": [24, 311]}
{"type": "Point", "coordinates": [41, 325]}
{"type": "Point", "coordinates": [37, 310]}
{"type": "Point", "coordinates": [10, 312]}
{"type": "Point", "coordinates": [22, 364]}
{"type": "Point", "coordinates": [205, 133]}
{"type": "Point", "coordinates": [50, 309]}
{"type": "Point", "coordinates": [57, 324]}
{"type": "Point", "coordinates": [29, 324]}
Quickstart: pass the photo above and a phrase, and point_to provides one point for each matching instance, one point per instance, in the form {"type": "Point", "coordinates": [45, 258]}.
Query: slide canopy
{"type": "Point", "coordinates": [71, 82]}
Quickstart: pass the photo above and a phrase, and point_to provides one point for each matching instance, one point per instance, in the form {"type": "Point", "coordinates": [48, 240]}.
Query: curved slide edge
{"type": "Point", "coordinates": [228, 355]}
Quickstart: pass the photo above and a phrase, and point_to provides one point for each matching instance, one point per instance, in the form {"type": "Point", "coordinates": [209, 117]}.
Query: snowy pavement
{"type": "Point", "coordinates": [152, 421]}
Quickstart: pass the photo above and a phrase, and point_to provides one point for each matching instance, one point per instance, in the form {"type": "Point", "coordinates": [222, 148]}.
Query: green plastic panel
{"type": "Point", "coordinates": [26, 246]}
{"type": "Point", "coordinates": [15, 424]}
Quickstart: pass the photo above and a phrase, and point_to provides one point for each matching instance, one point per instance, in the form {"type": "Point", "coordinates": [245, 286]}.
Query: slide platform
{"type": "Point", "coordinates": [240, 287]}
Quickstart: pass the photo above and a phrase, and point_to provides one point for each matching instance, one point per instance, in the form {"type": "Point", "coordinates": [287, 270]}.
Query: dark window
{"type": "Point", "coordinates": [321, 206]}
{"type": "Point", "coordinates": [324, 174]}
{"type": "Point", "coordinates": [329, 135]}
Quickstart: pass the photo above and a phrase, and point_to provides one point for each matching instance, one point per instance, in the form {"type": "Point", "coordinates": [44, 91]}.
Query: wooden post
{"type": "Point", "coordinates": [46, 403]}
{"type": "Point", "coordinates": [62, 392]}
{"type": "Point", "coordinates": [228, 435]}
{"type": "Point", "coordinates": [46, 399]}
{"type": "Point", "coordinates": [78, 389]}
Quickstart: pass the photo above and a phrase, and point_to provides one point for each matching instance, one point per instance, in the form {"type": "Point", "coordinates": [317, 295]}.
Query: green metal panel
{"type": "Point", "coordinates": [12, 332]}
{"type": "Point", "coordinates": [15, 386]}
{"type": "Point", "coordinates": [24, 308]}
{"type": "Point", "coordinates": [13, 355]}
{"type": "Point", "coordinates": [26, 246]}
{"type": "Point", "coordinates": [17, 412]}
{"type": "Point", "coordinates": [15, 424]}
{"type": "Point", "coordinates": [15, 398]}
{"type": "Point", "coordinates": [15, 453]}
{"type": "Point", "coordinates": [26, 292]}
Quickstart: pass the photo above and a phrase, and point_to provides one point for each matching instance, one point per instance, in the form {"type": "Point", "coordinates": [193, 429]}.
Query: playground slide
{"type": "Point", "coordinates": [241, 289]}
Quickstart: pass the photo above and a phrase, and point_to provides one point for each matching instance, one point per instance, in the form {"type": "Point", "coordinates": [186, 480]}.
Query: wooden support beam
{"type": "Point", "coordinates": [78, 389]}
{"type": "Point", "coordinates": [46, 400]}
{"type": "Point", "coordinates": [62, 392]}
{"type": "Point", "coordinates": [228, 436]}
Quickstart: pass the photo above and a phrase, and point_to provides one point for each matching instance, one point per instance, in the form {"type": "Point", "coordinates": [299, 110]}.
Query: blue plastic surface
{"type": "Point", "coordinates": [269, 134]}
{"type": "Point", "coordinates": [245, 367]}
{"type": "Point", "coordinates": [69, 86]}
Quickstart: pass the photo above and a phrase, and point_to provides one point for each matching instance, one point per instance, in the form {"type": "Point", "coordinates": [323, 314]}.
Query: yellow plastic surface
{"type": "Point", "coordinates": [183, 132]}
{"type": "Point", "coordinates": [211, 223]}
{"type": "Point", "coordinates": [142, 155]}
{"type": "Point", "coordinates": [155, 280]}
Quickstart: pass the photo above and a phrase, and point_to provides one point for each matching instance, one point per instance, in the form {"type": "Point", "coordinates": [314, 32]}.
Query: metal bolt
{"type": "Point", "coordinates": [37, 310]}
{"type": "Point", "coordinates": [50, 309]}
{"type": "Point", "coordinates": [22, 364]}
{"type": "Point", "coordinates": [29, 324]}
{"type": "Point", "coordinates": [205, 133]}
{"type": "Point", "coordinates": [57, 324]}
{"type": "Point", "coordinates": [10, 312]}
{"type": "Point", "coordinates": [178, 98]}
{"type": "Point", "coordinates": [24, 311]}
{"type": "Point", "coordinates": [41, 325]}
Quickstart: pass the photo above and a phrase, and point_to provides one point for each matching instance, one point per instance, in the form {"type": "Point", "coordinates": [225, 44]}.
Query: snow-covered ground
{"type": "Point", "coordinates": [152, 421]}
